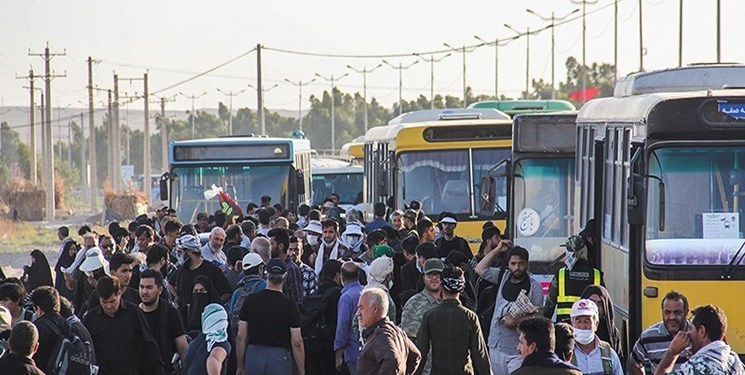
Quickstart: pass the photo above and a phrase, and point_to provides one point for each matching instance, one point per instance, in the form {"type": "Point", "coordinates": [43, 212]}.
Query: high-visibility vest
{"type": "Point", "coordinates": [564, 302]}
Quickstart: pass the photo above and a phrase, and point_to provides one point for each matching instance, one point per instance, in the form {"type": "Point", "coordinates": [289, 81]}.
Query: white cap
{"type": "Point", "coordinates": [584, 307]}
{"type": "Point", "coordinates": [448, 220]}
{"type": "Point", "coordinates": [94, 260]}
{"type": "Point", "coordinates": [314, 226]}
{"type": "Point", "coordinates": [251, 260]}
{"type": "Point", "coordinates": [380, 268]}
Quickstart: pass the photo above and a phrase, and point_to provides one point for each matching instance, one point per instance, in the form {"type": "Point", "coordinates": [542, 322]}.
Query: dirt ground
{"type": "Point", "coordinates": [12, 262]}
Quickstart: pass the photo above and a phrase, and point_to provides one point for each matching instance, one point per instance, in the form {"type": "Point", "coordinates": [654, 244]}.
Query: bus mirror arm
{"type": "Point", "coordinates": [636, 206]}
{"type": "Point", "coordinates": [164, 178]}
{"type": "Point", "coordinates": [300, 181]}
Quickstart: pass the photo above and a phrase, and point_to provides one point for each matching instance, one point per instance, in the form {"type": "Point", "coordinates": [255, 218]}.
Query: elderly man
{"type": "Point", "coordinates": [591, 355]}
{"type": "Point", "coordinates": [262, 246]}
{"type": "Point", "coordinates": [387, 350]}
{"type": "Point", "coordinates": [212, 250]}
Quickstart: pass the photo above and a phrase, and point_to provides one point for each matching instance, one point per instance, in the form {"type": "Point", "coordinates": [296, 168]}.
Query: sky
{"type": "Point", "coordinates": [174, 40]}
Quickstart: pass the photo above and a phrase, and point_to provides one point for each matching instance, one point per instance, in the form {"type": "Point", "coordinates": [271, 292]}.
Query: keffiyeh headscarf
{"type": "Point", "coordinates": [214, 325]}
{"type": "Point", "coordinates": [188, 242]}
{"type": "Point", "coordinates": [452, 284]}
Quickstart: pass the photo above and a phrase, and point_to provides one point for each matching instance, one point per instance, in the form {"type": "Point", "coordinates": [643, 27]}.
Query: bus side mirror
{"type": "Point", "coordinates": [300, 182]}
{"type": "Point", "coordinates": [636, 202]}
{"type": "Point", "coordinates": [488, 186]}
{"type": "Point", "coordinates": [164, 186]}
{"type": "Point", "coordinates": [383, 185]}
{"type": "Point", "coordinates": [662, 206]}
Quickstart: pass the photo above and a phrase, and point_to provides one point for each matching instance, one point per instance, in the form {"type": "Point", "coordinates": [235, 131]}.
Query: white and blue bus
{"type": "Point", "coordinates": [244, 167]}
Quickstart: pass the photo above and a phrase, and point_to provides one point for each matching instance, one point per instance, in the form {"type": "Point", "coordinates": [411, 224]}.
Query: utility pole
{"type": "Point", "coordinates": [164, 131]}
{"type": "Point", "coordinates": [496, 44]}
{"type": "Point", "coordinates": [641, 37]}
{"type": "Point", "coordinates": [527, 57]}
{"type": "Point", "coordinates": [553, 20]}
{"type": "Point", "coordinates": [615, 40]}
{"type": "Point", "coordinates": [93, 180]}
{"type": "Point", "coordinates": [193, 115]}
{"type": "Point", "coordinates": [400, 69]}
{"type": "Point", "coordinates": [260, 93]}
{"type": "Point", "coordinates": [364, 72]}
{"type": "Point", "coordinates": [584, 44]}
{"type": "Point", "coordinates": [463, 50]}
{"type": "Point", "coordinates": [264, 91]}
{"type": "Point", "coordinates": [230, 95]}
{"type": "Point", "coordinates": [110, 134]}
{"type": "Point", "coordinates": [680, 33]}
{"type": "Point", "coordinates": [333, 99]}
{"type": "Point", "coordinates": [146, 169]}
{"type": "Point", "coordinates": [32, 125]}
{"type": "Point", "coordinates": [83, 169]}
{"type": "Point", "coordinates": [49, 156]}
{"type": "Point", "coordinates": [117, 145]}
{"type": "Point", "coordinates": [432, 62]}
{"type": "Point", "coordinates": [299, 85]}
{"type": "Point", "coordinates": [719, 29]}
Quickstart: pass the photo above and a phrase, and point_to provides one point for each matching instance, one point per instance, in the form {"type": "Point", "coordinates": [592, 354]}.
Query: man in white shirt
{"type": "Point", "coordinates": [212, 250]}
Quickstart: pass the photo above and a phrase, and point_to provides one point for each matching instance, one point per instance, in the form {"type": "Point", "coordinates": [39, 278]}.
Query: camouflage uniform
{"type": "Point", "coordinates": [411, 318]}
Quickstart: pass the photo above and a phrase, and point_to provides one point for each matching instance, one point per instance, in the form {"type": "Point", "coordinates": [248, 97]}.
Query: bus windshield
{"type": "Point", "coordinates": [697, 220]}
{"type": "Point", "coordinates": [543, 196]}
{"type": "Point", "coordinates": [442, 180]}
{"type": "Point", "coordinates": [347, 185]}
{"type": "Point", "coordinates": [243, 183]}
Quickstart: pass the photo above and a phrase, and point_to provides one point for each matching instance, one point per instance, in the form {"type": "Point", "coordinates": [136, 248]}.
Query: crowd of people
{"type": "Point", "coordinates": [319, 291]}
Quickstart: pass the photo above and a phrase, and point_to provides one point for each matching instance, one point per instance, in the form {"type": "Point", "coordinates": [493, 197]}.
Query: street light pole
{"type": "Point", "coordinates": [432, 62]}
{"type": "Point", "coordinates": [527, 57]}
{"type": "Point", "coordinates": [364, 72]}
{"type": "Point", "coordinates": [333, 117]}
{"type": "Point", "coordinates": [584, 44]}
{"type": "Point", "coordinates": [230, 95]}
{"type": "Point", "coordinates": [553, 20]}
{"type": "Point", "coordinates": [400, 69]}
{"type": "Point", "coordinates": [299, 85]}
{"type": "Point", "coordinates": [465, 85]}
{"type": "Point", "coordinates": [193, 115]}
{"type": "Point", "coordinates": [496, 44]}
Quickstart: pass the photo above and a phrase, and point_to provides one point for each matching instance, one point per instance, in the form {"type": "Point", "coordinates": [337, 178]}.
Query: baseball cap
{"type": "Point", "coordinates": [448, 219]}
{"type": "Point", "coordinates": [433, 265]}
{"type": "Point", "coordinates": [314, 226]}
{"type": "Point", "coordinates": [584, 307]}
{"type": "Point", "coordinates": [160, 206]}
{"type": "Point", "coordinates": [251, 260]}
{"type": "Point", "coordinates": [276, 267]}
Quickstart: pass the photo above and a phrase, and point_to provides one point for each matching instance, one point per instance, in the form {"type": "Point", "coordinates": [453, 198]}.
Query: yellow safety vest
{"type": "Point", "coordinates": [564, 302]}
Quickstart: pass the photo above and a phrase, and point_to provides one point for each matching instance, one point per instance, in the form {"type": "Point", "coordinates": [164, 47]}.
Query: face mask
{"type": "Point", "coordinates": [584, 336]}
{"type": "Point", "coordinates": [312, 240]}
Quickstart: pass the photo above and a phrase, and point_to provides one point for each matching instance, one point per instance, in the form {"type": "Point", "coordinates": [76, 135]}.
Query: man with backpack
{"type": "Point", "coordinates": [318, 314]}
{"type": "Point", "coordinates": [591, 355]}
{"type": "Point", "coordinates": [253, 268]}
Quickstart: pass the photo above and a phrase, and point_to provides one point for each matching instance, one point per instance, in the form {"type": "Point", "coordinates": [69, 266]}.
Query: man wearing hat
{"type": "Point", "coordinates": [591, 355]}
{"type": "Point", "coordinates": [410, 220]}
{"type": "Point", "coordinates": [420, 303]}
{"type": "Point", "coordinates": [252, 282]}
{"type": "Point", "coordinates": [161, 211]}
{"type": "Point", "coordinates": [183, 279]}
{"type": "Point", "coordinates": [458, 347]}
{"type": "Point", "coordinates": [449, 241]}
{"type": "Point", "coordinates": [269, 336]}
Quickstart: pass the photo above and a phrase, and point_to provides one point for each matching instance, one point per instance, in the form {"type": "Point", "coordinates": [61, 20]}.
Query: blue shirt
{"type": "Point", "coordinates": [346, 338]}
{"type": "Point", "coordinates": [376, 224]}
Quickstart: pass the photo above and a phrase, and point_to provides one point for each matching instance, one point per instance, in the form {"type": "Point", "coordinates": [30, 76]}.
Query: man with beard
{"type": "Point", "coordinates": [162, 318]}
{"type": "Point", "coordinates": [310, 283]}
{"type": "Point", "coordinates": [293, 283]}
{"type": "Point", "coordinates": [503, 336]}
{"type": "Point", "coordinates": [331, 247]}
{"type": "Point", "coordinates": [183, 280]}
{"type": "Point", "coordinates": [449, 241]}
{"type": "Point", "coordinates": [212, 250]}
{"type": "Point", "coordinates": [705, 335]}
{"type": "Point", "coordinates": [655, 340]}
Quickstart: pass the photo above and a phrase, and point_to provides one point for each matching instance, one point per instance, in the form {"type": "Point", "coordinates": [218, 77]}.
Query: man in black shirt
{"type": "Point", "coordinates": [121, 337]}
{"type": "Point", "coordinates": [23, 343]}
{"type": "Point", "coordinates": [121, 268]}
{"type": "Point", "coordinates": [449, 241]}
{"type": "Point", "coordinates": [183, 279]}
{"type": "Point", "coordinates": [270, 326]}
{"type": "Point", "coordinates": [49, 322]}
{"type": "Point", "coordinates": [162, 318]}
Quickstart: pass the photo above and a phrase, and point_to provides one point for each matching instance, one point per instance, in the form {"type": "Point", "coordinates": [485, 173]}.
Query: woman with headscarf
{"type": "Point", "coordinates": [607, 330]}
{"type": "Point", "coordinates": [202, 294]}
{"type": "Point", "coordinates": [208, 351]}
{"type": "Point", "coordinates": [38, 273]}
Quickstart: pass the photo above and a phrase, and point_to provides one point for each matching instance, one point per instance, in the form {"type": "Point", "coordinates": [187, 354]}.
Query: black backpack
{"type": "Point", "coordinates": [313, 324]}
{"type": "Point", "coordinates": [70, 354]}
{"type": "Point", "coordinates": [244, 291]}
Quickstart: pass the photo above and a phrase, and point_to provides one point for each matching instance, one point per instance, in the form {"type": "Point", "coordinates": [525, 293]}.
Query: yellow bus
{"type": "Point", "coordinates": [355, 150]}
{"type": "Point", "coordinates": [444, 159]}
{"type": "Point", "coordinates": [660, 168]}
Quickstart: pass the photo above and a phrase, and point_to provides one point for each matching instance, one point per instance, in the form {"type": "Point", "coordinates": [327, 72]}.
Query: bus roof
{"type": "Point", "coordinates": [390, 131]}
{"type": "Point", "coordinates": [298, 144]}
{"type": "Point", "coordinates": [448, 114]}
{"type": "Point", "coordinates": [327, 163]}
{"type": "Point", "coordinates": [513, 107]}
{"type": "Point", "coordinates": [689, 78]}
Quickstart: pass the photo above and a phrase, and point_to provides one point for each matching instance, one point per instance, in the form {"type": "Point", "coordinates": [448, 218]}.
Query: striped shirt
{"type": "Point", "coordinates": [652, 346]}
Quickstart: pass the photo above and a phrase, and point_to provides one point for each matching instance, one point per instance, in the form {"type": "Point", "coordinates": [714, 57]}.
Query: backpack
{"type": "Point", "coordinates": [70, 355]}
{"type": "Point", "coordinates": [605, 356]}
{"type": "Point", "coordinates": [313, 324]}
{"type": "Point", "coordinates": [243, 292]}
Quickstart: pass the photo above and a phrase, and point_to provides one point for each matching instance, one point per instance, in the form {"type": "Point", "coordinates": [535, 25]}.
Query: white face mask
{"type": "Point", "coordinates": [584, 336]}
{"type": "Point", "coordinates": [312, 240]}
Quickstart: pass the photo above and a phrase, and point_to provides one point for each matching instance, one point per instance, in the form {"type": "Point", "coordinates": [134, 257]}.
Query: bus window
{"type": "Point", "coordinates": [483, 160]}
{"type": "Point", "coordinates": [438, 179]}
{"type": "Point", "coordinates": [701, 221]}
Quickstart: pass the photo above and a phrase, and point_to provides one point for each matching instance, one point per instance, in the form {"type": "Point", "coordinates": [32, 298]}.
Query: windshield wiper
{"type": "Point", "coordinates": [734, 263]}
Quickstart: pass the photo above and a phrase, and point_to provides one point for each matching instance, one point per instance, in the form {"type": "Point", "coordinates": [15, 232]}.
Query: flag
{"type": "Point", "coordinates": [590, 93]}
